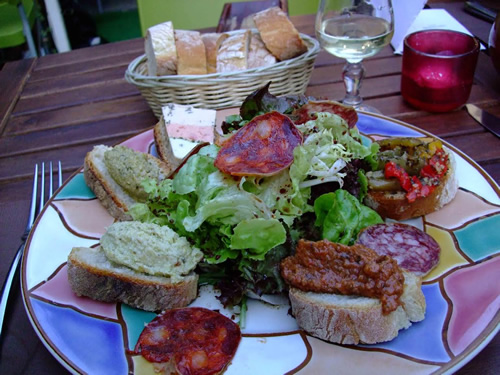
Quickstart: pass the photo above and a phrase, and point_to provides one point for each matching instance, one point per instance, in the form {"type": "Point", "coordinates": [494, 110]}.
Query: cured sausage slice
{"type": "Point", "coordinates": [413, 249]}
{"type": "Point", "coordinates": [263, 147]}
{"type": "Point", "coordinates": [308, 112]}
{"type": "Point", "coordinates": [198, 340]}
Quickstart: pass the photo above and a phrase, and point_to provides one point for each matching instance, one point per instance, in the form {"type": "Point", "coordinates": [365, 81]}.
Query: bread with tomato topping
{"type": "Point", "coordinates": [350, 294]}
{"type": "Point", "coordinates": [423, 194]}
{"type": "Point", "coordinates": [352, 319]}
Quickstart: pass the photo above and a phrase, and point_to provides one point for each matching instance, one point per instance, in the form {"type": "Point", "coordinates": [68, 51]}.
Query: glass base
{"type": "Point", "coordinates": [367, 108]}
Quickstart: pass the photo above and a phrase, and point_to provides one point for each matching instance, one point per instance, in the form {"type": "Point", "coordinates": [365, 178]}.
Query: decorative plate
{"type": "Point", "coordinates": [462, 292]}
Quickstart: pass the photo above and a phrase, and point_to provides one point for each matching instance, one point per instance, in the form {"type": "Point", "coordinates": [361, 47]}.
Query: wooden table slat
{"type": "Point", "coordinates": [12, 81]}
{"type": "Point", "coordinates": [92, 55]}
{"type": "Point", "coordinates": [102, 91]}
{"type": "Point", "coordinates": [119, 62]}
{"type": "Point", "coordinates": [87, 112]}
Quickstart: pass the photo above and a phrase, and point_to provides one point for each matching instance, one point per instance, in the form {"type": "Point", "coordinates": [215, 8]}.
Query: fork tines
{"type": "Point", "coordinates": [51, 178]}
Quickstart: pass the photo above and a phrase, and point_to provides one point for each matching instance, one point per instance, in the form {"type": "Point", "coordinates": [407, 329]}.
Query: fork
{"type": "Point", "coordinates": [31, 219]}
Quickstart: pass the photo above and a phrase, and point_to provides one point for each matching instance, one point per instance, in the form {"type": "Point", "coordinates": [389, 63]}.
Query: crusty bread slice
{"type": "Point", "coordinates": [159, 45]}
{"type": "Point", "coordinates": [354, 319]}
{"type": "Point", "coordinates": [212, 43]}
{"type": "Point", "coordinates": [191, 54]}
{"type": "Point", "coordinates": [394, 205]}
{"type": "Point", "coordinates": [279, 34]}
{"type": "Point", "coordinates": [92, 275]}
{"type": "Point", "coordinates": [233, 53]}
{"type": "Point", "coordinates": [112, 196]}
{"type": "Point", "coordinates": [258, 55]}
{"type": "Point", "coordinates": [163, 145]}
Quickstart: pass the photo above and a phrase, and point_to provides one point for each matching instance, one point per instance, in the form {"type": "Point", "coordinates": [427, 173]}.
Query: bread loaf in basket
{"type": "Point", "coordinates": [222, 90]}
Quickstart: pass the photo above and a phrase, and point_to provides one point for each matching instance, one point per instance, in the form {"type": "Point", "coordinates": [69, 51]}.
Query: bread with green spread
{"type": "Point", "coordinates": [144, 265]}
{"type": "Point", "coordinates": [115, 175]}
{"type": "Point", "coordinates": [92, 274]}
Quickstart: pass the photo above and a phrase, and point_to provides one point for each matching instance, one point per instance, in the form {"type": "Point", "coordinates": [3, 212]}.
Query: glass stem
{"type": "Point", "coordinates": [353, 74]}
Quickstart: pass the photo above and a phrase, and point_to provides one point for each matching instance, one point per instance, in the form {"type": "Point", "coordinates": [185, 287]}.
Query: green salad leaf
{"type": "Point", "coordinates": [328, 147]}
{"type": "Point", "coordinates": [226, 218]}
{"type": "Point", "coordinates": [262, 101]}
{"type": "Point", "coordinates": [341, 216]}
{"type": "Point", "coordinates": [245, 226]}
{"type": "Point", "coordinates": [257, 236]}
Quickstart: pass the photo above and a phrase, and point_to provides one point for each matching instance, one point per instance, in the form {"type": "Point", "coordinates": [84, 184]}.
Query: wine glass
{"type": "Point", "coordinates": [354, 30]}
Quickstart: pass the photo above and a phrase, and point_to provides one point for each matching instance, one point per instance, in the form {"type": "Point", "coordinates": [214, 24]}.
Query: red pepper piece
{"type": "Point", "coordinates": [394, 170]}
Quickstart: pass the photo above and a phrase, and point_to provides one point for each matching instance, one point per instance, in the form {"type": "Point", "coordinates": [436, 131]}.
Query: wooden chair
{"type": "Point", "coordinates": [234, 14]}
{"type": "Point", "coordinates": [16, 20]}
{"type": "Point", "coordinates": [205, 14]}
{"type": "Point", "coordinates": [185, 14]}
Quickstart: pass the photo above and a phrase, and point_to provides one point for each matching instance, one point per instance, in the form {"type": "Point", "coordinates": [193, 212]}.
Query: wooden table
{"type": "Point", "coordinates": [58, 106]}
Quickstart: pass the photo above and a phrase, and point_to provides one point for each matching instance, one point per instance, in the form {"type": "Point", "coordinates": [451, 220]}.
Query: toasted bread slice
{"type": "Point", "coordinates": [349, 319]}
{"type": "Point", "coordinates": [164, 146]}
{"type": "Point", "coordinates": [112, 196]}
{"type": "Point", "coordinates": [394, 205]}
{"type": "Point", "coordinates": [92, 275]}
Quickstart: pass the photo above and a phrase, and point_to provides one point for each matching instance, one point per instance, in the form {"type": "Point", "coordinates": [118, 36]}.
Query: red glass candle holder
{"type": "Point", "coordinates": [438, 69]}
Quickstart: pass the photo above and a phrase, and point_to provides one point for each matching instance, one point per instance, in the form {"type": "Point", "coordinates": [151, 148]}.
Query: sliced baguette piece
{"type": "Point", "coordinates": [233, 53]}
{"type": "Point", "coordinates": [191, 53]}
{"type": "Point", "coordinates": [111, 195]}
{"type": "Point", "coordinates": [212, 43]}
{"type": "Point", "coordinates": [163, 145]}
{"type": "Point", "coordinates": [394, 205]}
{"type": "Point", "coordinates": [161, 53]}
{"type": "Point", "coordinates": [92, 275]}
{"type": "Point", "coordinates": [349, 319]}
{"type": "Point", "coordinates": [116, 201]}
{"type": "Point", "coordinates": [258, 54]}
{"type": "Point", "coordinates": [279, 34]}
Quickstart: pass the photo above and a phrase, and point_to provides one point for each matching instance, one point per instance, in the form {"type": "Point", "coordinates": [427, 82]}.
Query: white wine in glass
{"type": "Point", "coordinates": [354, 30]}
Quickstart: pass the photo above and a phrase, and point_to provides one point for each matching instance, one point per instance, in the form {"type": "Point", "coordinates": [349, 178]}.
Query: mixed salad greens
{"type": "Point", "coordinates": [245, 226]}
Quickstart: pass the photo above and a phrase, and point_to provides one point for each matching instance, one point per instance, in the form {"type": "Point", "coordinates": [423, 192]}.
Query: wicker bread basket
{"type": "Point", "coordinates": [222, 90]}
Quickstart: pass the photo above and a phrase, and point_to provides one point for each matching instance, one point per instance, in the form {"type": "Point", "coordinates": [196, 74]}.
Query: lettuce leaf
{"type": "Point", "coordinates": [341, 216]}
{"type": "Point", "coordinates": [226, 218]}
{"type": "Point", "coordinates": [329, 146]}
{"type": "Point", "coordinates": [257, 236]}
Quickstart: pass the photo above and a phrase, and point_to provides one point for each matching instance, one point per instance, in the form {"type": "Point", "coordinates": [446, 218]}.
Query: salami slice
{"type": "Point", "coordinates": [198, 341]}
{"type": "Point", "coordinates": [413, 249]}
{"type": "Point", "coordinates": [263, 147]}
{"type": "Point", "coordinates": [308, 112]}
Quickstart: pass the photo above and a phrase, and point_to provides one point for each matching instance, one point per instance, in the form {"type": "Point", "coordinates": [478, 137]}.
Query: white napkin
{"type": "Point", "coordinates": [405, 13]}
{"type": "Point", "coordinates": [425, 20]}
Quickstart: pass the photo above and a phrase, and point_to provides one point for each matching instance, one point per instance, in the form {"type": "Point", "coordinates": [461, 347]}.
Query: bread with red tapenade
{"type": "Point", "coordinates": [416, 176]}
{"type": "Point", "coordinates": [349, 294]}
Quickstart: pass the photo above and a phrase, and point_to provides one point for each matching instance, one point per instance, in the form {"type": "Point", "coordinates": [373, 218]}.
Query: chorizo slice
{"type": "Point", "coordinates": [309, 111]}
{"type": "Point", "coordinates": [199, 341]}
{"type": "Point", "coordinates": [263, 147]}
{"type": "Point", "coordinates": [413, 249]}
